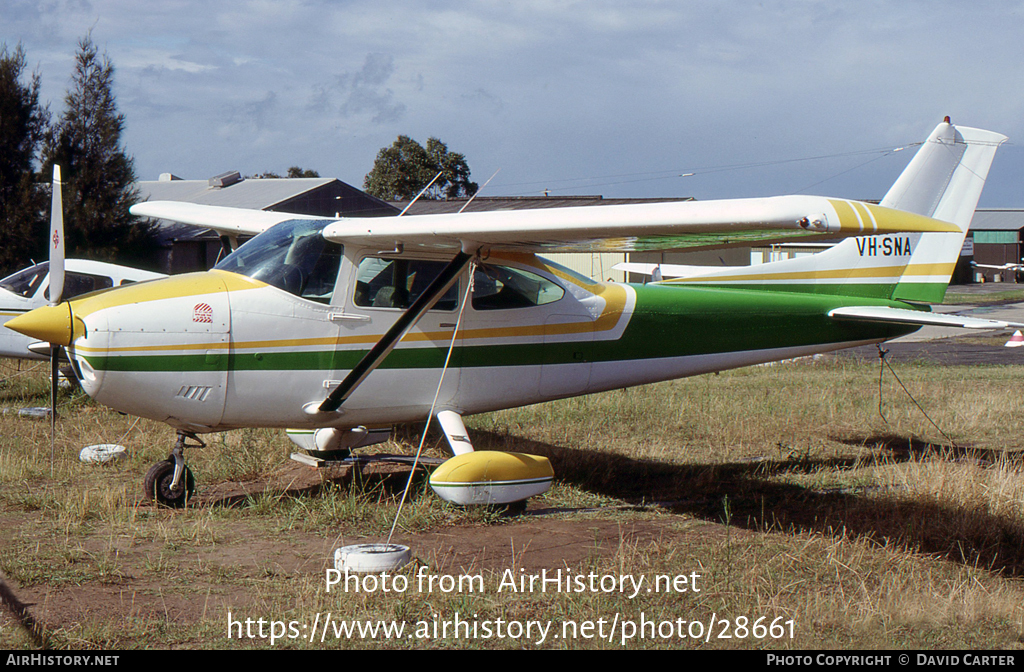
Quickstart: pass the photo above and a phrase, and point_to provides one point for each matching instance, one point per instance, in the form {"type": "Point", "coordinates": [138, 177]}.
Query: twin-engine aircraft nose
{"type": "Point", "coordinates": [53, 324]}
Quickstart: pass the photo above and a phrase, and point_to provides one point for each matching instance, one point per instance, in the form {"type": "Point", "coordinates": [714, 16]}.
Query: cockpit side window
{"type": "Point", "coordinates": [26, 282]}
{"type": "Point", "coordinates": [293, 256]}
{"type": "Point", "coordinates": [397, 283]}
{"type": "Point", "coordinates": [503, 287]}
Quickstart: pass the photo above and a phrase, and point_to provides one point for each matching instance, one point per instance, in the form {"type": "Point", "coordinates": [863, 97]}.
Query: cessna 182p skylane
{"type": "Point", "coordinates": [341, 328]}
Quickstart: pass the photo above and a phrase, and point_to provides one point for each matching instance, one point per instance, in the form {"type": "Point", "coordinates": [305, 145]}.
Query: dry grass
{"type": "Point", "coordinates": [782, 486]}
{"type": "Point", "coordinates": [978, 298]}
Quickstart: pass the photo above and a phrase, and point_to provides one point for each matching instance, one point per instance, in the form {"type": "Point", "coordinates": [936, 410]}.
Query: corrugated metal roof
{"type": "Point", "coordinates": [998, 219]}
{"type": "Point", "coordinates": [251, 192]}
{"type": "Point", "coordinates": [314, 196]}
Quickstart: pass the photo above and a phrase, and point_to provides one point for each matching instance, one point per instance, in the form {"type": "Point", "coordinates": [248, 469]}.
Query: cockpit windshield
{"type": "Point", "coordinates": [292, 256]}
{"type": "Point", "coordinates": [26, 282]}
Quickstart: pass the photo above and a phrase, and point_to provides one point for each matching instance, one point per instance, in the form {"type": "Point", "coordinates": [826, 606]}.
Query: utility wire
{"type": "Point", "coordinates": [433, 404]}
{"type": "Point", "coordinates": [884, 363]}
{"type": "Point", "coordinates": [553, 185]}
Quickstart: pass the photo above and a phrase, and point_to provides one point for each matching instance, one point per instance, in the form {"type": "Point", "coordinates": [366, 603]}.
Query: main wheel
{"type": "Point", "coordinates": [157, 485]}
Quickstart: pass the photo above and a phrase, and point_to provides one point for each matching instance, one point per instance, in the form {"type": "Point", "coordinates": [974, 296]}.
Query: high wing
{"type": "Point", "coordinates": [226, 221]}
{"type": "Point", "coordinates": [623, 228]}
{"type": "Point", "coordinates": [919, 317]}
{"type": "Point", "coordinates": [676, 225]}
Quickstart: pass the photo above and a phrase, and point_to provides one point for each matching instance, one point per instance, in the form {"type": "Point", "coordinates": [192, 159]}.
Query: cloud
{"type": "Point", "coordinates": [363, 93]}
{"type": "Point", "coordinates": [258, 112]}
{"type": "Point", "coordinates": [558, 88]}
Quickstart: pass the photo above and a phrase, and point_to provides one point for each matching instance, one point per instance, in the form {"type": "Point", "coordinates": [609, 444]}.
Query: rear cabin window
{"type": "Point", "coordinates": [76, 284]}
{"type": "Point", "coordinates": [397, 283]}
{"type": "Point", "coordinates": [502, 287]}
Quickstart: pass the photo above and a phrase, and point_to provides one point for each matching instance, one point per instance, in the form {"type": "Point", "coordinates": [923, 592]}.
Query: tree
{"type": "Point", "coordinates": [402, 170]}
{"type": "Point", "coordinates": [23, 125]}
{"type": "Point", "coordinates": [295, 171]}
{"type": "Point", "coordinates": [98, 175]}
{"type": "Point", "coordinates": [454, 180]}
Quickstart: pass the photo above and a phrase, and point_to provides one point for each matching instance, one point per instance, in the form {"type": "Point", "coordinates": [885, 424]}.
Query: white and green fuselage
{"type": "Point", "coordinates": [234, 352]}
{"type": "Point", "coordinates": [278, 334]}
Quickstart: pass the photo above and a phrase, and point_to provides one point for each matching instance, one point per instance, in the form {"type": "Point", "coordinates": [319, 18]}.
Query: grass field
{"type": "Point", "coordinates": [953, 297]}
{"type": "Point", "coordinates": [807, 514]}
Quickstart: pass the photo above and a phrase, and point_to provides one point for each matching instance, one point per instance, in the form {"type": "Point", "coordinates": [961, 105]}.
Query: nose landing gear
{"type": "Point", "coordinates": [171, 483]}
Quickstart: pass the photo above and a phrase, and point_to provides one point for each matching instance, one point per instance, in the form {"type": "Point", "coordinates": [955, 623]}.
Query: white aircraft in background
{"type": "Point", "coordinates": [29, 289]}
{"type": "Point", "coordinates": [1009, 266]}
{"type": "Point", "coordinates": [342, 328]}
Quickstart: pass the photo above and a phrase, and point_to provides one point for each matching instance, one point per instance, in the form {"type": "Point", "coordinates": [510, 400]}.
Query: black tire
{"type": "Point", "coordinates": [157, 485]}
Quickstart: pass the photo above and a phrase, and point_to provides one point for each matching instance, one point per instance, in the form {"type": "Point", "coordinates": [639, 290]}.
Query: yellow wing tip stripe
{"type": "Point", "coordinates": [868, 224]}
{"type": "Point", "coordinates": [871, 219]}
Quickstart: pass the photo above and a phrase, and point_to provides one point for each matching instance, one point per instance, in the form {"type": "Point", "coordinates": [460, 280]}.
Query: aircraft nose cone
{"type": "Point", "coordinates": [53, 324]}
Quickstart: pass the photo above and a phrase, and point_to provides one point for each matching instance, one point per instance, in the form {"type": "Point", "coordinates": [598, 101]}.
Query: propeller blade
{"type": "Point", "coordinates": [56, 241]}
{"type": "Point", "coordinates": [56, 244]}
{"type": "Point", "coordinates": [54, 382]}
{"type": "Point", "coordinates": [54, 372]}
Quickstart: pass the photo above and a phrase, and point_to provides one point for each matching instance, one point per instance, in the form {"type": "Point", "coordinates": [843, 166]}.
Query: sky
{"type": "Point", "coordinates": [573, 98]}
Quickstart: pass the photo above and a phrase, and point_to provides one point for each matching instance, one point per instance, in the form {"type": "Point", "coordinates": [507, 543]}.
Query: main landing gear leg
{"type": "Point", "coordinates": [170, 482]}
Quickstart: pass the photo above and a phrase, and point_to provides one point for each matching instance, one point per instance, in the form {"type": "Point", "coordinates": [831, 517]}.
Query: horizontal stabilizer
{"type": "Point", "coordinates": [919, 317]}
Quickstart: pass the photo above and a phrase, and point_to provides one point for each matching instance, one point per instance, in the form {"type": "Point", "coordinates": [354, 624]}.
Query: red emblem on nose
{"type": "Point", "coordinates": [203, 312]}
{"type": "Point", "coordinates": [56, 239]}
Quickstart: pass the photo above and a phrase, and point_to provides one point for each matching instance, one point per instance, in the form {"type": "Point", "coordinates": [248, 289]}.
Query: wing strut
{"type": "Point", "coordinates": [389, 340]}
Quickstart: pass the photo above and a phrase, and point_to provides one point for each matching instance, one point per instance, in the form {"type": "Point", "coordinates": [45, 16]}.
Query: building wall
{"type": "Point", "coordinates": [336, 199]}
{"type": "Point", "coordinates": [995, 248]}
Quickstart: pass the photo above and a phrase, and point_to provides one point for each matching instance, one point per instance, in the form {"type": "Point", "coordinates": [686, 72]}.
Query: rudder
{"type": "Point", "coordinates": [943, 181]}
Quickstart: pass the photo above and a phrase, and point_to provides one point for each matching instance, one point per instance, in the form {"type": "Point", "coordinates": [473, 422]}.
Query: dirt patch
{"type": "Point", "coordinates": [177, 583]}
{"type": "Point", "coordinates": [294, 479]}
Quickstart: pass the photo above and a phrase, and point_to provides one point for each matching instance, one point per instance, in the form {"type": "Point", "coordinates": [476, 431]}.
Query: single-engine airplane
{"type": "Point", "coordinates": [341, 328]}
{"type": "Point", "coordinates": [29, 288]}
{"type": "Point", "coordinates": [1008, 266]}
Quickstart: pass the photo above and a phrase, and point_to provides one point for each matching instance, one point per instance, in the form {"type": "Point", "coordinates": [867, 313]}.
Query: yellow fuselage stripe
{"type": "Point", "coordinates": [614, 296]}
{"type": "Point", "coordinates": [920, 270]}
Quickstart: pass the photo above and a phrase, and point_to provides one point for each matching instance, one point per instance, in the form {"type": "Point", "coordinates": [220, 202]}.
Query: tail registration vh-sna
{"type": "Point", "coordinates": [884, 246]}
{"type": "Point", "coordinates": [338, 329]}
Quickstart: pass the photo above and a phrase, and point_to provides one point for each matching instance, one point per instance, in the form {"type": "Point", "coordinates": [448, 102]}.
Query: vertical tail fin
{"type": "Point", "coordinates": [943, 181]}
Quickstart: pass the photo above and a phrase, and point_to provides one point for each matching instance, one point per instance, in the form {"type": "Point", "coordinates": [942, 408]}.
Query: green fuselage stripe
{"type": "Point", "coordinates": [667, 321]}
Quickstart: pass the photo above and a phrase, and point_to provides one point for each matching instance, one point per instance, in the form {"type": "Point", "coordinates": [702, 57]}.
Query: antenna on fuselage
{"type": "Point", "coordinates": [478, 191]}
{"type": "Point", "coordinates": [422, 191]}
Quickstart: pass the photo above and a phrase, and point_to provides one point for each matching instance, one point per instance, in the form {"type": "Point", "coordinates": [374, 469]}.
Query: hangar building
{"type": "Point", "coordinates": [186, 248]}
{"type": "Point", "coordinates": [996, 235]}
